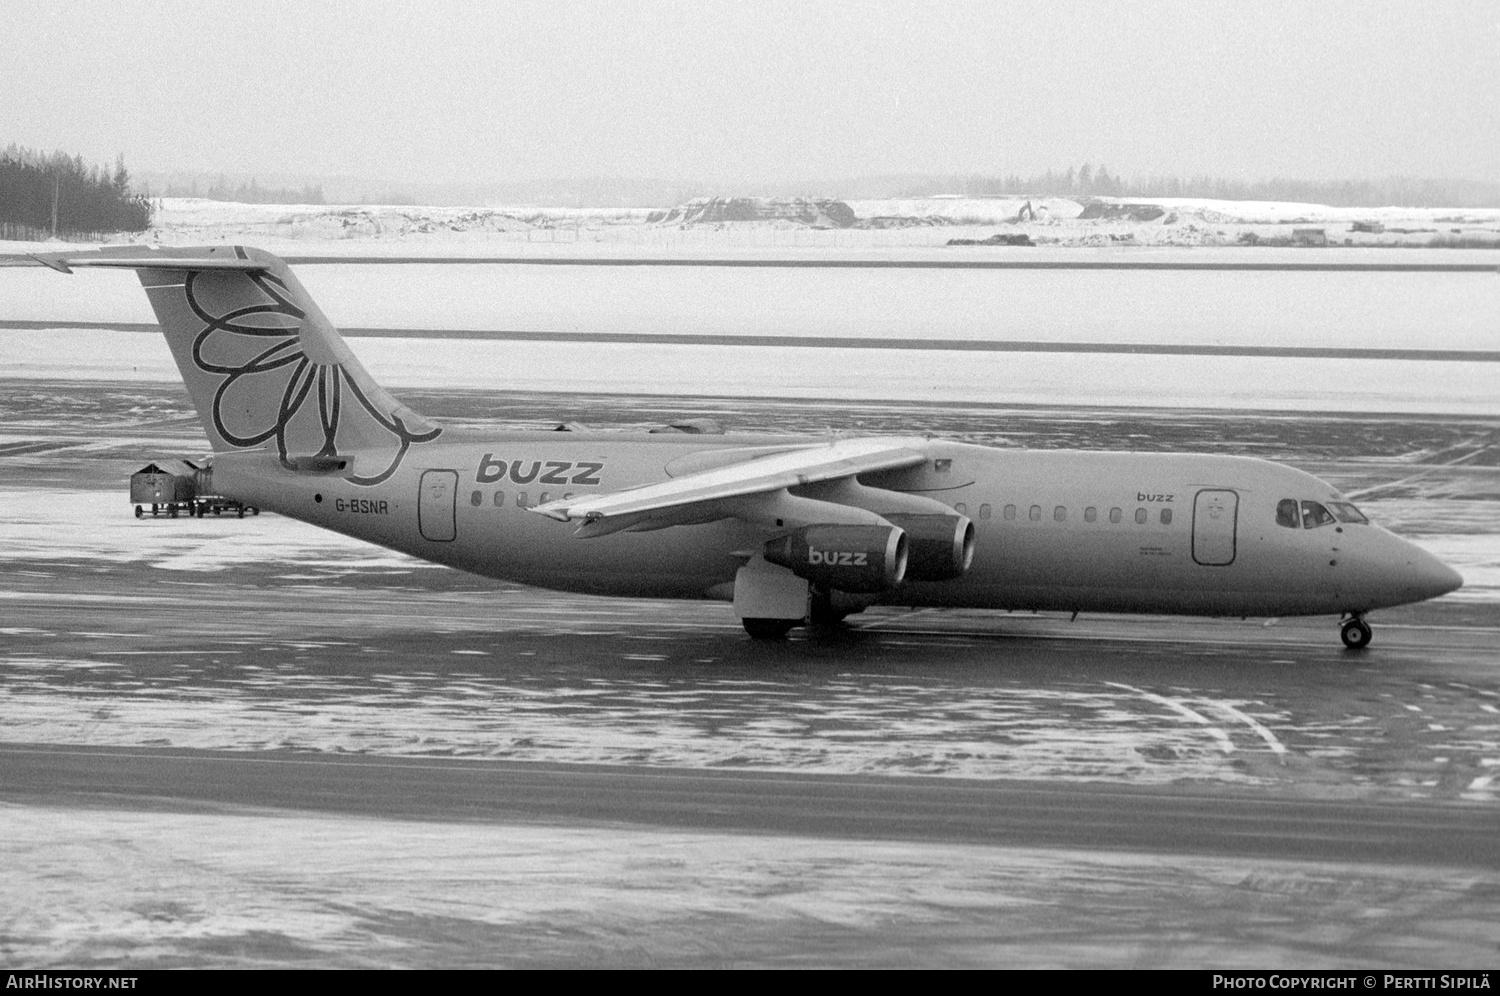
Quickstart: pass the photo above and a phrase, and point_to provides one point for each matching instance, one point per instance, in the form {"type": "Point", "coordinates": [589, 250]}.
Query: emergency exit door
{"type": "Point", "coordinates": [437, 505]}
{"type": "Point", "coordinates": [1214, 521]}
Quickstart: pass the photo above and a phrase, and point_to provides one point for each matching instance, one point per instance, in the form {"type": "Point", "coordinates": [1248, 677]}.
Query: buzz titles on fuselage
{"type": "Point", "coordinates": [493, 469]}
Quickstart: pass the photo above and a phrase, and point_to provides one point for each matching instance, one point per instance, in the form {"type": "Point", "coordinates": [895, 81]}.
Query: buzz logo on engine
{"type": "Point", "coordinates": [837, 558]}
{"type": "Point", "coordinates": [845, 558]}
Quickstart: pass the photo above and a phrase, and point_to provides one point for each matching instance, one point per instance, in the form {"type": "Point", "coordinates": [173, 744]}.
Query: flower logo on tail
{"type": "Point", "coordinates": [270, 382]}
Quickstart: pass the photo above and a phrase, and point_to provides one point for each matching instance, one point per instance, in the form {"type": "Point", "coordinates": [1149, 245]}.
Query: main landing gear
{"type": "Point", "coordinates": [769, 629]}
{"type": "Point", "coordinates": [821, 613]}
{"type": "Point", "coordinates": [824, 615]}
{"type": "Point", "coordinates": [1356, 633]}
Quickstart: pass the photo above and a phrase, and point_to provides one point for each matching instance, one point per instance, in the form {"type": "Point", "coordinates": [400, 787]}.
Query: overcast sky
{"type": "Point", "coordinates": [759, 90]}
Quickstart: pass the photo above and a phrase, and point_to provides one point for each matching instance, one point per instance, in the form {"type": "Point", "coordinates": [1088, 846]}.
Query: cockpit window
{"type": "Point", "coordinates": [1295, 514]}
{"type": "Point", "coordinates": [1346, 512]}
{"type": "Point", "coordinates": [1315, 515]}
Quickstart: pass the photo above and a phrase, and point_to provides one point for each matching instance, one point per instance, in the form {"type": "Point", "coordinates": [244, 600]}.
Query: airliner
{"type": "Point", "coordinates": [790, 530]}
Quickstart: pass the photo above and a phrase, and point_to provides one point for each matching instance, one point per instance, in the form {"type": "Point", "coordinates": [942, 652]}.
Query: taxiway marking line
{"type": "Point", "coordinates": [1261, 731]}
{"type": "Point", "coordinates": [1091, 637]}
{"type": "Point", "coordinates": [1225, 744]}
{"type": "Point", "coordinates": [1443, 629]}
{"type": "Point", "coordinates": [865, 627]}
{"type": "Point", "coordinates": [881, 626]}
{"type": "Point", "coordinates": [1430, 469]}
{"type": "Point", "coordinates": [857, 342]}
{"type": "Point", "coordinates": [900, 264]}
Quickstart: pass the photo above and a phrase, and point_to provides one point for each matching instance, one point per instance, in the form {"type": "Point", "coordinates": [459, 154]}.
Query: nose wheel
{"type": "Point", "coordinates": [1356, 633]}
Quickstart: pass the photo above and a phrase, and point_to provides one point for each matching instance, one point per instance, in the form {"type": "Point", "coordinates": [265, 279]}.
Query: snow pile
{"type": "Point", "coordinates": [1296, 212]}
{"type": "Point", "coordinates": [1101, 210]}
{"type": "Point", "coordinates": [188, 218]}
{"type": "Point", "coordinates": [970, 211]}
{"type": "Point", "coordinates": [813, 213]}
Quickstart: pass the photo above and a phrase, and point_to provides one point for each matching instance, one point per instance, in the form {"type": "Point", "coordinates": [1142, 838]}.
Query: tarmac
{"type": "Point", "coordinates": [249, 743]}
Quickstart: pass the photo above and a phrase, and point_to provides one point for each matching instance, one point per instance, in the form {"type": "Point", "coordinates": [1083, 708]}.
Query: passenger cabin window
{"type": "Point", "coordinates": [1090, 514]}
{"type": "Point", "coordinates": [1010, 511]}
{"type": "Point", "coordinates": [499, 498]}
{"type": "Point", "coordinates": [1060, 514]}
{"type": "Point", "coordinates": [1315, 515]}
{"type": "Point", "coordinates": [1166, 516]}
{"type": "Point", "coordinates": [1115, 515]}
{"type": "Point", "coordinates": [520, 499]}
{"type": "Point", "coordinates": [1140, 516]}
{"type": "Point", "coordinates": [961, 508]}
{"type": "Point", "coordinates": [1286, 513]}
{"type": "Point", "coordinates": [1036, 513]}
{"type": "Point", "coordinates": [476, 499]}
{"type": "Point", "coordinates": [984, 511]}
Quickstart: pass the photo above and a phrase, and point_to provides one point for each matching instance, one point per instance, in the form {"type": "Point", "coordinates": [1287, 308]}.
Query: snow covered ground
{"type": "Point", "coordinates": [1412, 311]}
{"type": "Point", "coordinates": [1427, 311]}
{"type": "Point", "coordinates": [912, 223]}
{"type": "Point", "coordinates": [255, 889]}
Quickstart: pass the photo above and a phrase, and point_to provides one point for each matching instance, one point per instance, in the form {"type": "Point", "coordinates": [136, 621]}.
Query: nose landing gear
{"type": "Point", "coordinates": [1356, 633]}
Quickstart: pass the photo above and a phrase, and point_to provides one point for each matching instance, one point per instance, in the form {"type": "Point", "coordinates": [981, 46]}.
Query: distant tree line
{"type": "Point", "coordinates": [54, 194]}
{"type": "Point", "coordinates": [246, 193]}
{"type": "Point", "coordinates": [1092, 181]}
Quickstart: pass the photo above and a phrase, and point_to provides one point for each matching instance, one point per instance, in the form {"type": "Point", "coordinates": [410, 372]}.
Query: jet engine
{"type": "Point", "coordinates": [940, 547]}
{"type": "Point", "coordinates": [846, 558]}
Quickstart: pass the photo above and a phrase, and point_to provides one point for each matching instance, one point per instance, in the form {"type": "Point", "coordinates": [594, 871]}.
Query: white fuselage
{"type": "Point", "coordinates": [1054, 530]}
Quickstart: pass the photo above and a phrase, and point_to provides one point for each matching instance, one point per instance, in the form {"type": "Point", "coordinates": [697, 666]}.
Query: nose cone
{"type": "Point", "coordinates": [1378, 569]}
{"type": "Point", "coordinates": [1425, 576]}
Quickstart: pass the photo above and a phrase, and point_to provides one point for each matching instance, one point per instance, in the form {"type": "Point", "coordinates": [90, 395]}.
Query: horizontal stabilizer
{"type": "Point", "coordinates": [65, 264]}
{"type": "Point", "coordinates": [146, 258]}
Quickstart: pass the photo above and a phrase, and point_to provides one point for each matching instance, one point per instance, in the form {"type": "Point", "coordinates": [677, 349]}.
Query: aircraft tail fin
{"type": "Point", "coordinates": [262, 363]}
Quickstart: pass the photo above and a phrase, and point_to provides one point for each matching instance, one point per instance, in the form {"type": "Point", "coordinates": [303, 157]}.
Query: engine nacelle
{"type": "Point", "coordinates": [847, 558]}
{"type": "Point", "coordinates": [939, 547]}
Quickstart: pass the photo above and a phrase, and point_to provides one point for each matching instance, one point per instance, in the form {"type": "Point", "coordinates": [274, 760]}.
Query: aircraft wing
{"type": "Point", "coordinates": [698, 497]}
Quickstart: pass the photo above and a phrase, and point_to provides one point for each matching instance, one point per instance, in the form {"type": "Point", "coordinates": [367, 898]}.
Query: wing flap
{"type": "Point", "coordinates": [756, 475]}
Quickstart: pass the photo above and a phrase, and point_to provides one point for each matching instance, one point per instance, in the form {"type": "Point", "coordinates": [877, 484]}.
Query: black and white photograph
{"type": "Point", "coordinates": [575, 484]}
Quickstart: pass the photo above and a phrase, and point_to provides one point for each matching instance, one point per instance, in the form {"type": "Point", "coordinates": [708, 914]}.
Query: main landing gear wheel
{"type": "Point", "coordinates": [768, 629]}
{"type": "Point", "coordinates": [822, 614]}
{"type": "Point", "coordinates": [1356, 634]}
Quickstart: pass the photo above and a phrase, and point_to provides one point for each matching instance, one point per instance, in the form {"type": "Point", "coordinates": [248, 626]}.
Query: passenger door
{"type": "Point", "coordinates": [1214, 522]}
{"type": "Point", "coordinates": [437, 505]}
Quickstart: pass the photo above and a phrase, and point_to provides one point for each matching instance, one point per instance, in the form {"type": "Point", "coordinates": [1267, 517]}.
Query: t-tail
{"type": "Point", "coordinates": [264, 366]}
